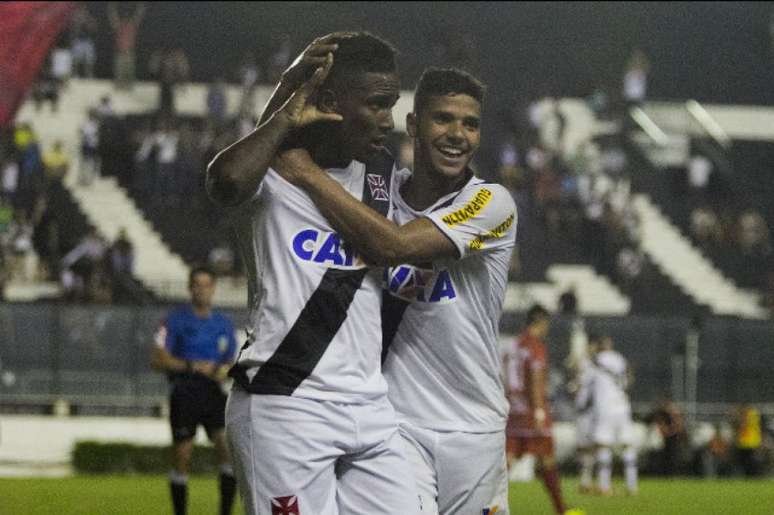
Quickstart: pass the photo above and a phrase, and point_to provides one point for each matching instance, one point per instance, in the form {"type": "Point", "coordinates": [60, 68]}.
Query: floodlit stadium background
{"type": "Point", "coordinates": [638, 141]}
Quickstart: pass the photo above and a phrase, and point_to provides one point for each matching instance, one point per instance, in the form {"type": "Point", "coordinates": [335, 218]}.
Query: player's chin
{"type": "Point", "coordinates": [365, 153]}
{"type": "Point", "coordinates": [450, 170]}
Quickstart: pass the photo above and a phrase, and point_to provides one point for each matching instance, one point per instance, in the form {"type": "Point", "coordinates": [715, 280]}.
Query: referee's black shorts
{"type": "Point", "coordinates": [195, 400]}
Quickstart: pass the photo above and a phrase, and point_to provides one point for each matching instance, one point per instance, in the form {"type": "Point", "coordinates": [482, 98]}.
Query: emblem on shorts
{"type": "Point", "coordinates": [378, 187]}
{"type": "Point", "coordinates": [490, 511]}
{"type": "Point", "coordinates": [287, 505]}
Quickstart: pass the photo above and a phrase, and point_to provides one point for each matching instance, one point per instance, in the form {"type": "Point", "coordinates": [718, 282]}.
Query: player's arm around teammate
{"type": "Point", "coordinates": [234, 174]}
{"type": "Point", "coordinates": [448, 122]}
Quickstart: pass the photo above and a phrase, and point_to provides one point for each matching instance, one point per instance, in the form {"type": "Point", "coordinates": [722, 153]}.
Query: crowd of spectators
{"type": "Point", "coordinates": [582, 196]}
{"type": "Point", "coordinates": [739, 445]}
{"type": "Point", "coordinates": [38, 233]}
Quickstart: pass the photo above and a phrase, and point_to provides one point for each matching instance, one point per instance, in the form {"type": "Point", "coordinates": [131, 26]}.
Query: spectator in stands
{"type": "Point", "coordinates": [189, 166]}
{"type": "Point", "coordinates": [167, 139]}
{"type": "Point", "coordinates": [568, 302]}
{"type": "Point", "coordinates": [748, 439]}
{"type": "Point", "coordinates": [599, 102]}
{"type": "Point", "coordinates": [280, 58]}
{"type": "Point", "coordinates": [56, 163]}
{"type": "Point", "coordinates": [249, 76]}
{"type": "Point", "coordinates": [9, 179]}
{"type": "Point", "coordinates": [89, 135]}
{"type": "Point", "coordinates": [122, 255]}
{"type": "Point", "coordinates": [46, 88]}
{"type": "Point", "coordinates": [6, 218]}
{"type": "Point", "coordinates": [216, 102]}
{"type": "Point", "coordinates": [221, 259]}
{"type": "Point", "coordinates": [46, 238]}
{"type": "Point", "coordinates": [82, 29]}
{"type": "Point", "coordinates": [699, 171]}
{"type": "Point", "coordinates": [715, 457]}
{"type": "Point", "coordinates": [669, 422]}
{"type": "Point", "coordinates": [629, 265]}
{"type": "Point", "coordinates": [157, 162]}
{"type": "Point", "coordinates": [22, 264]}
{"type": "Point", "coordinates": [105, 107]}
{"type": "Point", "coordinates": [82, 265]}
{"type": "Point", "coordinates": [170, 67]}
{"type": "Point", "coordinates": [753, 234]}
{"type": "Point", "coordinates": [125, 26]}
{"type": "Point", "coordinates": [31, 176]}
{"type": "Point", "coordinates": [635, 79]}
{"type": "Point", "coordinates": [705, 227]}
{"type": "Point", "coordinates": [62, 65]}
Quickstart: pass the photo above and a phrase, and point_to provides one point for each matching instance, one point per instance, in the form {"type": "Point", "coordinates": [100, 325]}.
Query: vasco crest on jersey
{"type": "Point", "coordinates": [324, 248]}
{"type": "Point", "coordinates": [420, 285]}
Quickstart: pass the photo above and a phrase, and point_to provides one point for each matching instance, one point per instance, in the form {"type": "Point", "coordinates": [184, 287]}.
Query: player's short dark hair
{"type": "Point", "coordinates": [535, 313]}
{"type": "Point", "coordinates": [361, 53]}
{"type": "Point", "coordinates": [446, 81]}
{"type": "Point", "coordinates": [201, 269]}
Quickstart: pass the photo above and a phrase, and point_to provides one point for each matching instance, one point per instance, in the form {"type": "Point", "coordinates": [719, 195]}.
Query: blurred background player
{"type": "Point", "coordinates": [584, 423]}
{"type": "Point", "coordinates": [612, 428]}
{"type": "Point", "coordinates": [529, 422]}
{"type": "Point", "coordinates": [308, 420]}
{"type": "Point", "coordinates": [195, 346]}
{"type": "Point", "coordinates": [440, 319]}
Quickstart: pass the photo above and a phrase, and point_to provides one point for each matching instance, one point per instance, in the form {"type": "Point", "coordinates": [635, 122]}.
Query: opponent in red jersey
{"type": "Point", "coordinates": [529, 421]}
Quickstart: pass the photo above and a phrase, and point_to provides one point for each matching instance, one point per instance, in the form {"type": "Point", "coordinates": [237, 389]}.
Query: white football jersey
{"type": "Point", "coordinates": [314, 329]}
{"type": "Point", "coordinates": [609, 383]}
{"type": "Point", "coordinates": [441, 320]}
{"type": "Point", "coordinates": [585, 379]}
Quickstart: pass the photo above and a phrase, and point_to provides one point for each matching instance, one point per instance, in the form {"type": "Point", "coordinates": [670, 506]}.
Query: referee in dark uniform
{"type": "Point", "coordinates": [195, 346]}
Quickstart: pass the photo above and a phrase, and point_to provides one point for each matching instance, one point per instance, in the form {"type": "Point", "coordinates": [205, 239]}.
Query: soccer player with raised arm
{"type": "Point", "coordinates": [446, 256]}
{"type": "Point", "coordinates": [309, 424]}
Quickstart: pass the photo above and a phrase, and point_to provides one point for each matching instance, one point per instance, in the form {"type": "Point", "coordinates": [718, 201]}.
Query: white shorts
{"type": "Point", "coordinates": [584, 430]}
{"type": "Point", "coordinates": [613, 429]}
{"type": "Point", "coordinates": [458, 473]}
{"type": "Point", "coordinates": [295, 455]}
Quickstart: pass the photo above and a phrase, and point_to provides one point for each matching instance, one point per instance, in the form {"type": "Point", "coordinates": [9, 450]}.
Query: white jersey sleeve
{"type": "Point", "coordinates": [480, 218]}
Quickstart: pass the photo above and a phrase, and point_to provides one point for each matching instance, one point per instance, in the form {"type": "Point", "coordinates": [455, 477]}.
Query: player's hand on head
{"type": "Point", "coordinates": [300, 109]}
{"type": "Point", "coordinates": [295, 164]}
{"type": "Point", "coordinates": [312, 58]}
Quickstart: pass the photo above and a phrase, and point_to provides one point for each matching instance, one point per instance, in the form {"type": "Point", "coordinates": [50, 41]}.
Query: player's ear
{"type": "Point", "coordinates": [411, 125]}
{"type": "Point", "coordinates": [327, 101]}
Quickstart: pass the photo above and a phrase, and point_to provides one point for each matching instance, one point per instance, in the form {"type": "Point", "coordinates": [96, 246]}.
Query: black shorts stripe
{"type": "Point", "coordinates": [393, 309]}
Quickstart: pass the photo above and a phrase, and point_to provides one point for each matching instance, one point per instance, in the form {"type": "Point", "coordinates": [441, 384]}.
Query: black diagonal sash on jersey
{"type": "Point", "coordinates": [325, 311]}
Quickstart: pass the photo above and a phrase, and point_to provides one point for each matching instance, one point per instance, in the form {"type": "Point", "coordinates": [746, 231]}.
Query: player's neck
{"type": "Point", "coordinates": [423, 189]}
{"type": "Point", "coordinates": [328, 156]}
{"type": "Point", "coordinates": [201, 311]}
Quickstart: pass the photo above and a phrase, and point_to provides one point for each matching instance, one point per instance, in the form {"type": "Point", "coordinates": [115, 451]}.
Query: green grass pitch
{"type": "Point", "coordinates": [139, 495]}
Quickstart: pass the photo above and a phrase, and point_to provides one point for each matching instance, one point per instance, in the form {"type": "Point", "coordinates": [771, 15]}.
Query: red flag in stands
{"type": "Point", "coordinates": [27, 31]}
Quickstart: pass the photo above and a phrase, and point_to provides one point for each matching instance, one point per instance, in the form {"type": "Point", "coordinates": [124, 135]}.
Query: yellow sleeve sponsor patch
{"type": "Point", "coordinates": [469, 210]}
{"type": "Point", "coordinates": [497, 232]}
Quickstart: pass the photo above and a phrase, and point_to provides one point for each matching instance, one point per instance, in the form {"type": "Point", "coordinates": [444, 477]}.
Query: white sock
{"type": "Point", "coordinates": [630, 469]}
{"type": "Point", "coordinates": [587, 469]}
{"type": "Point", "coordinates": [227, 469]}
{"type": "Point", "coordinates": [605, 463]}
{"type": "Point", "coordinates": [177, 478]}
